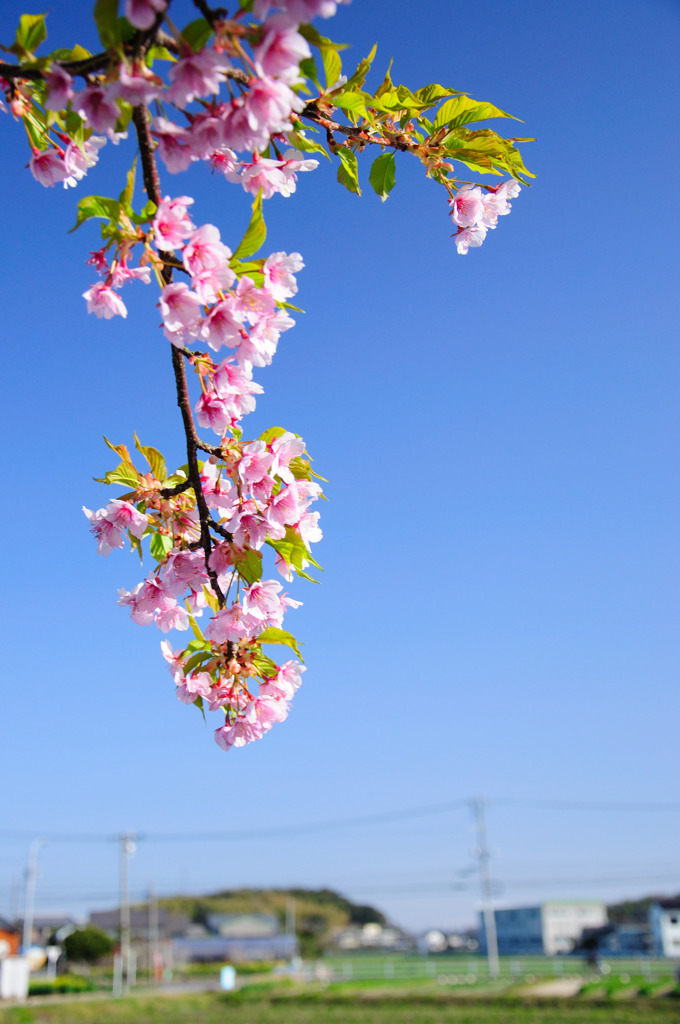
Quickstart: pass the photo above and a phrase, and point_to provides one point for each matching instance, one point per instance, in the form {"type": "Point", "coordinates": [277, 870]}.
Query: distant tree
{"type": "Point", "coordinates": [87, 945]}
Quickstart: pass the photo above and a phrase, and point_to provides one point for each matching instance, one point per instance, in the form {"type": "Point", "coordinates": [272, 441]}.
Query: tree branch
{"type": "Point", "coordinates": [141, 122]}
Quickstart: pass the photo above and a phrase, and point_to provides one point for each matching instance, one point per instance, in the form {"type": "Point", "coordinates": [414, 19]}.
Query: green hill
{"type": "Point", "coordinates": [317, 911]}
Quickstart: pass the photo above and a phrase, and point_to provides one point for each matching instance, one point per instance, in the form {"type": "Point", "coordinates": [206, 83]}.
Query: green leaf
{"type": "Point", "coordinates": [160, 546]}
{"type": "Point", "coordinates": [158, 53]}
{"type": "Point", "coordinates": [300, 141]}
{"type": "Point", "coordinates": [249, 565]}
{"type": "Point", "coordinates": [386, 84]}
{"type": "Point", "coordinates": [197, 659]}
{"type": "Point", "coordinates": [364, 66]}
{"type": "Point", "coordinates": [382, 176]}
{"type": "Point", "coordinates": [31, 33]}
{"type": "Point", "coordinates": [279, 636]}
{"type": "Point", "coordinates": [124, 473]}
{"type": "Point", "coordinates": [196, 34]}
{"type": "Point", "coordinates": [106, 18]}
{"type": "Point", "coordinates": [332, 65]}
{"type": "Point", "coordinates": [119, 449]}
{"type": "Point", "coordinates": [352, 102]}
{"type": "Point", "coordinates": [126, 195]}
{"type": "Point", "coordinates": [154, 458]}
{"type": "Point", "coordinates": [272, 433]}
{"type": "Point", "coordinates": [97, 206]}
{"type": "Point", "coordinates": [462, 110]}
{"type": "Point", "coordinates": [431, 94]}
{"type": "Point", "coordinates": [195, 630]}
{"type": "Point", "coordinates": [309, 70]}
{"type": "Point", "coordinates": [348, 171]}
{"type": "Point", "coordinates": [255, 234]}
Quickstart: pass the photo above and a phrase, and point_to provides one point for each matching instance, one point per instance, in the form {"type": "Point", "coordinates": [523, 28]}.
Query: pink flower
{"type": "Point", "coordinates": [281, 50]}
{"type": "Point", "coordinates": [471, 237]}
{"type": "Point", "coordinates": [279, 270]}
{"type": "Point", "coordinates": [285, 448]}
{"type": "Point", "coordinates": [262, 603]}
{"type": "Point", "coordinates": [137, 86]}
{"type": "Point", "coordinates": [467, 206]}
{"type": "Point", "coordinates": [286, 681]}
{"type": "Point", "coordinates": [173, 617]}
{"type": "Point", "coordinates": [496, 203]}
{"type": "Point", "coordinates": [232, 623]}
{"type": "Point", "coordinates": [59, 88]}
{"type": "Point", "coordinates": [223, 325]}
{"type": "Point", "coordinates": [269, 104]}
{"type": "Point", "coordinates": [108, 524]}
{"type": "Point", "coordinates": [181, 312]}
{"type": "Point", "coordinates": [103, 301]}
{"type": "Point", "coordinates": [238, 734]}
{"type": "Point", "coordinates": [198, 685]}
{"type": "Point", "coordinates": [207, 259]}
{"type": "Point", "coordinates": [296, 11]}
{"type": "Point", "coordinates": [47, 166]}
{"type": "Point", "coordinates": [173, 146]}
{"type": "Point", "coordinates": [254, 464]}
{"type": "Point", "coordinates": [218, 489]}
{"type": "Point", "coordinates": [252, 303]}
{"type": "Point", "coordinates": [198, 74]}
{"type": "Point", "coordinates": [78, 160]}
{"type": "Point", "coordinates": [143, 13]}
{"type": "Point", "coordinates": [267, 709]}
{"type": "Point", "coordinates": [248, 527]}
{"type": "Point", "coordinates": [213, 412]}
{"type": "Point", "coordinates": [184, 569]}
{"type": "Point", "coordinates": [236, 387]}
{"type": "Point", "coordinates": [171, 224]}
{"type": "Point", "coordinates": [96, 106]}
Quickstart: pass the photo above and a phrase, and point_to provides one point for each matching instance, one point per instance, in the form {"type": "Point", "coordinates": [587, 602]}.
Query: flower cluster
{"type": "Point", "coordinates": [475, 211]}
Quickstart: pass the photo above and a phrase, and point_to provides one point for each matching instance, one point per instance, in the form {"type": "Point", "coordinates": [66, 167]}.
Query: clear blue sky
{"type": "Point", "coordinates": [499, 432]}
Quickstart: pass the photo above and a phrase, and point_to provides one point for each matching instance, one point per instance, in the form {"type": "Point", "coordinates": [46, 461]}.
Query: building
{"type": "Point", "coordinates": [664, 923]}
{"type": "Point", "coordinates": [548, 929]}
{"type": "Point", "coordinates": [10, 939]}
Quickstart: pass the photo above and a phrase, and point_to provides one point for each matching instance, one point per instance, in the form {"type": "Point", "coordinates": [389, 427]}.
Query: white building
{"type": "Point", "coordinates": [664, 922]}
{"type": "Point", "coordinates": [548, 929]}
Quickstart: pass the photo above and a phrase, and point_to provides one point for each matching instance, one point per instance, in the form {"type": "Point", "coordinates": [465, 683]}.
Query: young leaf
{"type": "Point", "coordinates": [249, 565]}
{"type": "Point", "coordinates": [382, 176]}
{"type": "Point", "coordinates": [431, 94]}
{"type": "Point", "coordinates": [279, 636]}
{"type": "Point", "coordinates": [160, 546]}
{"type": "Point", "coordinates": [359, 76]}
{"type": "Point", "coordinates": [126, 195]}
{"type": "Point", "coordinates": [348, 171]}
{"type": "Point", "coordinates": [124, 473]}
{"type": "Point", "coordinates": [154, 458]}
{"type": "Point", "coordinates": [332, 65]}
{"type": "Point", "coordinates": [106, 17]}
{"type": "Point", "coordinates": [352, 102]}
{"type": "Point", "coordinates": [255, 234]}
{"type": "Point", "coordinates": [30, 34]}
{"type": "Point", "coordinates": [196, 34]}
{"type": "Point", "coordinates": [463, 110]}
{"type": "Point", "coordinates": [97, 206]}
{"type": "Point", "coordinates": [272, 433]}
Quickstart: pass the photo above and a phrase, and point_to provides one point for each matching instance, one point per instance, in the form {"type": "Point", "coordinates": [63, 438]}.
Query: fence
{"type": "Point", "coordinates": [471, 970]}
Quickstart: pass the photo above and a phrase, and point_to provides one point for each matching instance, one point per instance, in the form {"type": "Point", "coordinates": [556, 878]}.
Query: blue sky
{"type": "Point", "coordinates": [499, 432]}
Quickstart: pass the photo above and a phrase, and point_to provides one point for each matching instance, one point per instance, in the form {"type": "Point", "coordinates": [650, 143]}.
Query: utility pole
{"type": "Point", "coordinates": [488, 913]}
{"type": "Point", "coordinates": [153, 933]}
{"type": "Point", "coordinates": [29, 896]}
{"type": "Point", "coordinates": [127, 847]}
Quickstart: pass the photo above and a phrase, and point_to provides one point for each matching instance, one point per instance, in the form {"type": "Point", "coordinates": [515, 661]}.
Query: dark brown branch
{"type": "Point", "coordinates": [172, 492]}
{"type": "Point", "coordinates": [141, 121]}
{"type": "Point", "coordinates": [218, 528]}
{"type": "Point", "coordinates": [210, 15]}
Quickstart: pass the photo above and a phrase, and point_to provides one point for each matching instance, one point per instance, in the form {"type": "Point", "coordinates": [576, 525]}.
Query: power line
{"type": "Point", "coordinates": [370, 819]}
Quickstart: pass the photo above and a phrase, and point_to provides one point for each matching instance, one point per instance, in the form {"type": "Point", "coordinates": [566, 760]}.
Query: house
{"type": "Point", "coordinates": [10, 939]}
{"type": "Point", "coordinates": [664, 923]}
{"type": "Point", "coordinates": [238, 938]}
{"type": "Point", "coordinates": [143, 925]}
{"type": "Point", "coordinates": [549, 929]}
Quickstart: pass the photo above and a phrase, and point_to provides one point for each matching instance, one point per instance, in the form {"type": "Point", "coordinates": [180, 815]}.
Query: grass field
{"type": "Point", "coordinates": [348, 1005]}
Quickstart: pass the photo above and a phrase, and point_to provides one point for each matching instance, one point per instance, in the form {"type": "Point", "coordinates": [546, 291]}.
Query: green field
{"type": "Point", "coordinates": [347, 1005]}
